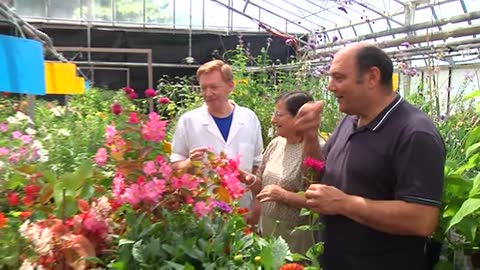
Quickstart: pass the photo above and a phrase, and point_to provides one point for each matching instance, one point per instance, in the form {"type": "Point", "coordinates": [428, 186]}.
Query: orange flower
{"type": "Point", "coordinates": [3, 220]}
{"type": "Point", "coordinates": [25, 214]}
{"type": "Point", "coordinates": [291, 266]}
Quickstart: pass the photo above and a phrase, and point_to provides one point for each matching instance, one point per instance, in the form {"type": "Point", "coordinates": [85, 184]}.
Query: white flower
{"type": "Point", "coordinates": [27, 265]}
{"type": "Point", "coordinates": [18, 118]}
{"type": "Point", "coordinates": [30, 131]}
{"type": "Point", "coordinates": [40, 238]}
{"type": "Point", "coordinates": [43, 155]}
{"type": "Point", "coordinates": [64, 132]}
{"type": "Point", "coordinates": [58, 111]}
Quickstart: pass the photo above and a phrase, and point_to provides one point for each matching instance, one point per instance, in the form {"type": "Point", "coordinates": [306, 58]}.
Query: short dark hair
{"type": "Point", "coordinates": [372, 56]}
{"type": "Point", "coordinates": [294, 100]}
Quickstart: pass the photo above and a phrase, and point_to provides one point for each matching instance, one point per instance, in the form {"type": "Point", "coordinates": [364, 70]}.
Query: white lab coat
{"type": "Point", "coordinates": [197, 128]}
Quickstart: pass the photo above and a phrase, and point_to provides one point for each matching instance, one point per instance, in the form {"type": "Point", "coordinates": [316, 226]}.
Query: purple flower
{"type": "Point", "coordinates": [224, 207]}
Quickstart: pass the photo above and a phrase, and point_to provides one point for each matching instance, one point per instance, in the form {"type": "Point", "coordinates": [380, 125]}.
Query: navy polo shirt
{"type": "Point", "coordinates": [397, 156]}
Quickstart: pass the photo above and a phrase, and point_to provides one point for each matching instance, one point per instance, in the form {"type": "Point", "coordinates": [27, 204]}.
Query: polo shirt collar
{"type": "Point", "coordinates": [382, 117]}
{"type": "Point", "coordinates": [385, 114]}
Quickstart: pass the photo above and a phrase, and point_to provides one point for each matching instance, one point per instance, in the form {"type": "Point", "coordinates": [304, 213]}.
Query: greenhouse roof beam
{"type": "Point", "coordinates": [257, 20]}
{"type": "Point", "coordinates": [309, 12]}
{"type": "Point", "coordinates": [455, 19]}
{"type": "Point", "coordinates": [374, 10]}
{"type": "Point", "coordinates": [323, 9]}
{"type": "Point", "coordinates": [458, 32]}
{"type": "Point", "coordinates": [464, 7]}
{"type": "Point", "coordinates": [419, 7]}
{"type": "Point", "coordinates": [287, 11]}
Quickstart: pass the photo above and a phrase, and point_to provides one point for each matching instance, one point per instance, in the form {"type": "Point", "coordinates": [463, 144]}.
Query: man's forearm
{"type": "Point", "coordinates": [182, 165]}
{"type": "Point", "coordinates": [311, 147]}
{"type": "Point", "coordinates": [395, 217]}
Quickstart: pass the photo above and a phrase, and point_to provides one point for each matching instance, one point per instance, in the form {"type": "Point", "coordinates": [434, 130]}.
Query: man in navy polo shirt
{"type": "Point", "coordinates": [382, 186]}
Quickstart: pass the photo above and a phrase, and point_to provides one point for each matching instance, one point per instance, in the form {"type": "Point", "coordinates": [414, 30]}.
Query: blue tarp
{"type": "Point", "coordinates": [21, 66]}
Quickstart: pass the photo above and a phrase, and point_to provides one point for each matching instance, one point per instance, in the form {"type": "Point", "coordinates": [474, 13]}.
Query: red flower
{"type": "Point", "coordinates": [242, 210]}
{"type": "Point", "coordinates": [317, 165]}
{"type": "Point", "coordinates": [6, 94]}
{"type": "Point", "coordinates": [116, 108]}
{"type": "Point", "coordinates": [133, 118]}
{"type": "Point", "coordinates": [164, 100]}
{"type": "Point", "coordinates": [150, 92]}
{"type": "Point", "coordinates": [32, 190]}
{"type": "Point", "coordinates": [25, 214]}
{"type": "Point", "coordinates": [13, 199]}
{"type": "Point", "coordinates": [3, 220]}
{"type": "Point", "coordinates": [83, 206]}
{"type": "Point", "coordinates": [291, 266]}
{"type": "Point", "coordinates": [247, 230]}
{"type": "Point", "coordinates": [128, 90]}
{"type": "Point", "coordinates": [132, 95]}
{"type": "Point", "coordinates": [28, 200]}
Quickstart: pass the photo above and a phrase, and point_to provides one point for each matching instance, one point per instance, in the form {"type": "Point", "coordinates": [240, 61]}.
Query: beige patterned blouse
{"type": "Point", "coordinates": [282, 165]}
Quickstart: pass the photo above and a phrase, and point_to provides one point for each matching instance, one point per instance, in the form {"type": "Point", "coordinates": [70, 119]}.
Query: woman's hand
{"type": "Point", "coordinates": [271, 193]}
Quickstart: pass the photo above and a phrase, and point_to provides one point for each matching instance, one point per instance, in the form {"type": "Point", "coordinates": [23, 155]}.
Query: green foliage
{"type": "Point", "coordinates": [218, 242]}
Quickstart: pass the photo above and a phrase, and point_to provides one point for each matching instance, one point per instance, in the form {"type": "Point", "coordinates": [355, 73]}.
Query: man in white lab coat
{"type": "Point", "coordinates": [222, 124]}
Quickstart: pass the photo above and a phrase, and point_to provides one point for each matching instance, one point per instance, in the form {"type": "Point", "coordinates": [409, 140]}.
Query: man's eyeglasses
{"type": "Point", "coordinates": [278, 114]}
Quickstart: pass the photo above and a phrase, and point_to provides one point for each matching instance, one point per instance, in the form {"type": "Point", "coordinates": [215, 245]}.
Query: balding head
{"type": "Point", "coordinates": [368, 56]}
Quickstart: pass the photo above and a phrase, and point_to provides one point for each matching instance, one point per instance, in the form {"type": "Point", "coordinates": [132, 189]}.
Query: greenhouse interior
{"type": "Point", "coordinates": [240, 134]}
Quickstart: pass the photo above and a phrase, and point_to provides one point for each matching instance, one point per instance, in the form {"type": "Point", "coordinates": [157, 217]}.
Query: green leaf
{"type": "Point", "coordinates": [195, 253]}
{"type": "Point", "coordinates": [175, 265]}
{"type": "Point", "coordinates": [125, 242]}
{"type": "Point", "coordinates": [474, 94]}
{"type": "Point", "coordinates": [305, 212]}
{"type": "Point", "coordinates": [472, 149]}
{"type": "Point", "coordinates": [476, 187]}
{"type": "Point", "coordinates": [117, 265]}
{"type": "Point", "coordinates": [472, 136]}
{"type": "Point", "coordinates": [267, 257]}
{"type": "Point", "coordinates": [280, 250]}
{"type": "Point", "coordinates": [302, 228]}
{"type": "Point", "coordinates": [468, 228]}
{"type": "Point", "coordinates": [15, 180]}
{"type": "Point", "coordinates": [468, 207]}
{"type": "Point", "coordinates": [137, 252]}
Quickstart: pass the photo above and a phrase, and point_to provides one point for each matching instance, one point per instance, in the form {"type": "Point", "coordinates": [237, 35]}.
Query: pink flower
{"type": "Point", "coordinates": [14, 159]}
{"type": "Point", "coordinates": [128, 90]}
{"type": "Point", "coordinates": [189, 199]}
{"type": "Point", "coordinates": [150, 92]}
{"type": "Point", "coordinates": [180, 182]}
{"type": "Point", "coordinates": [133, 118]}
{"type": "Point", "coordinates": [315, 164]}
{"type": "Point", "coordinates": [133, 194]}
{"type": "Point", "coordinates": [232, 184]}
{"type": "Point", "coordinates": [26, 138]}
{"type": "Point", "coordinates": [149, 167]}
{"type": "Point", "coordinates": [118, 187]}
{"type": "Point", "coordinates": [4, 151]}
{"type": "Point", "coordinates": [164, 169]}
{"type": "Point", "coordinates": [153, 191]}
{"type": "Point", "coordinates": [16, 134]}
{"type": "Point", "coordinates": [154, 129]}
{"type": "Point", "coordinates": [110, 133]}
{"type": "Point", "coordinates": [201, 209]}
{"type": "Point", "coordinates": [132, 95]}
{"type": "Point", "coordinates": [116, 108]}
{"type": "Point", "coordinates": [101, 156]}
{"type": "Point", "coordinates": [3, 127]}
{"type": "Point", "coordinates": [164, 100]}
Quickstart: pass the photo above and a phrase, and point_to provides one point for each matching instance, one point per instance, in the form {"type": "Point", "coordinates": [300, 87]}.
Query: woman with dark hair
{"type": "Point", "coordinates": [281, 176]}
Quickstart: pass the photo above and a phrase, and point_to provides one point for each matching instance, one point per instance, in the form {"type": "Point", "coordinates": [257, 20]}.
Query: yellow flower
{"type": "Point", "coordinates": [167, 147]}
